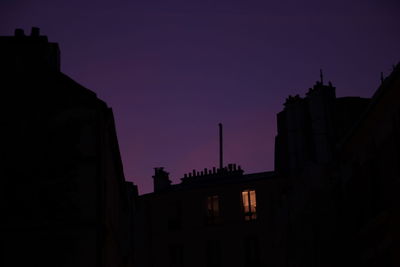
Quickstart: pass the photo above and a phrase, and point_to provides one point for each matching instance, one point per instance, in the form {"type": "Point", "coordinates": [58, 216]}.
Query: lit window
{"type": "Point", "coordinates": [249, 204]}
{"type": "Point", "coordinates": [212, 209]}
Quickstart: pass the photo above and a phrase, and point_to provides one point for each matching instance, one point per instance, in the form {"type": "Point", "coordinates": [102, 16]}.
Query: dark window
{"type": "Point", "coordinates": [176, 255]}
{"type": "Point", "coordinates": [213, 211]}
{"type": "Point", "coordinates": [251, 251]}
{"type": "Point", "coordinates": [213, 253]}
{"type": "Point", "coordinates": [249, 204]}
{"type": "Point", "coordinates": [175, 216]}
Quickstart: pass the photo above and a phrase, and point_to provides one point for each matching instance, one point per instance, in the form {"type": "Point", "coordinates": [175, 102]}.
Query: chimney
{"type": "Point", "coordinates": [35, 32]}
{"type": "Point", "coordinates": [19, 33]}
{"type": "Point", "coordinates": [161, 180]}
{"type": "Point", "coordinates": [32, 54]}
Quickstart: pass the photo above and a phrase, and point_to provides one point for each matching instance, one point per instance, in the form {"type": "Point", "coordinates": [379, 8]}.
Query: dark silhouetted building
{"type": "Point", "coordinates": [63, 197]}
{"type": "Point", "coordinates": [310, 127]}
{"type": "Point", "coordinates": [331, 200]}
{"type": "Point", "coordinates": [212, 218]}
{"type": "Point", "coordinates": [369, 176]}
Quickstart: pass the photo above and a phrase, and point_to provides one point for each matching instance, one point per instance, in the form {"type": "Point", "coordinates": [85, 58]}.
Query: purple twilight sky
{"type": "Point", "coordinates": [172, 70]}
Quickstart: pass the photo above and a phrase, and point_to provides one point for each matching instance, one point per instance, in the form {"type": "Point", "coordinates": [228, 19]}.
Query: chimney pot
{"type": "Point", "coordinates": [19, 32]}
{"type": "Point", "coordinates": [230, 167]}
{"type": "Point", "coordinates": [35, 32]}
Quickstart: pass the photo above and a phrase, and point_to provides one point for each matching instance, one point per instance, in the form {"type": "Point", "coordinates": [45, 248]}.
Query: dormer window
{"type": "Point", "coordinates": [249, 204]}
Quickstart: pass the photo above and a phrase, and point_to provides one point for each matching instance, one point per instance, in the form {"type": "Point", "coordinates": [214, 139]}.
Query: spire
{"type": "Point", "coordinates": [382, 77]}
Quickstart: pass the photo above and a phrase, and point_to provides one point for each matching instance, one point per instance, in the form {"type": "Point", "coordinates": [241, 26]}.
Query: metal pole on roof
{"type": "Point", "coordinates": [221, 164]}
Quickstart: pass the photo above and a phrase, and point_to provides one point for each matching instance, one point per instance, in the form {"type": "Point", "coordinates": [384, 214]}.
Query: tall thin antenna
{"type": "Point", "coordinates": [321, 76]}
{"type": "Point", "coordinates": [221, 163]}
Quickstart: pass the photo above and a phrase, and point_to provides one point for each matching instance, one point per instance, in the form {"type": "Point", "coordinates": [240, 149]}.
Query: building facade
{"type": "Point", "coordinates": [369, 175]}
{"type": "Point", "coordinates": [331, 200]}
{"type": "Point", "coordinates": [63, 197]}
{"type": "Point", "coordinates": [212, 219]}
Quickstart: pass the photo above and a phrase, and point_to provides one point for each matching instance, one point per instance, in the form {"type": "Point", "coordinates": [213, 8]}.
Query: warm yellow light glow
{"type": "Point", "coordinates": [249, 204]}
{"type": "Point", "coordinates": [245, 198]}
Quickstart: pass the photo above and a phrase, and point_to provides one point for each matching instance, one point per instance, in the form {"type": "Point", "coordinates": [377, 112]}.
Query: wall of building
{"type": "Point", "coordinates": [177, 219]}
{"type": "Point", "coordinates": [332, 201]}
{"type": "Point", "coordinates": [370, 180]}
{"type": "Point", "coordinates": [63, 199]}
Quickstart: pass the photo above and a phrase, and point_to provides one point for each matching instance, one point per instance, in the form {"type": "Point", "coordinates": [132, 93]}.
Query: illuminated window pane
{"type": "Point", "coordinates": [249, 204]}
{"type": "Point", "coordinates": [253, 200]}
{"type": "Point", "coordinates": [245, 198]}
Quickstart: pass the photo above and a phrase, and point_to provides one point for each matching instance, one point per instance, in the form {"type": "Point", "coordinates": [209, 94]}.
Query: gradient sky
{"type": "Point", "coordinates": [172, 70]}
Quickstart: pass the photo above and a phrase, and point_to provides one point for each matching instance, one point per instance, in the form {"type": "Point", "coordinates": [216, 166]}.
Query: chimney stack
{"type": "Point", "coordinates": [161, 180]}
{"type": "Point", "coordinates": [35, 32]}
{"type": "Point", "coordinates": [19, 33]}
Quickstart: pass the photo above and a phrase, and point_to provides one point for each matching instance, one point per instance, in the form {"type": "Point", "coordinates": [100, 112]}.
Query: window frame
{"type": "Point", "coordinates": [213, 209]}
{"type": "Point", "coordinates": [249, 204]}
